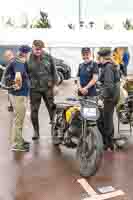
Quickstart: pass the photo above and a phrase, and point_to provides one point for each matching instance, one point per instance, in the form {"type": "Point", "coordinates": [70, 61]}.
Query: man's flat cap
{"type": "Point", "coordinates": [38, 43]}
{"type": "Point", "coordinates": [104, 52]}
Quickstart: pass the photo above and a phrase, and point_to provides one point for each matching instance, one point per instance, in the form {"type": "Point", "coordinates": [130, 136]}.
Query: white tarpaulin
{"type": "Point", "coordinates": [67, 45]}
{"type": "Point", "coordinates": [67, 38]}
{"type": "Point", "coordinates": [71, 57]}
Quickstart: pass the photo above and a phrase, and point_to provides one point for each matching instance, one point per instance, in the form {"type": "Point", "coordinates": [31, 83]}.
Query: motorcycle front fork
{"type": "Point", "coordinates": [84, 133]}
{"type": "Point", "coordinates": [84, 123]}
{"type": "Point", "coordinates": [85, 126]}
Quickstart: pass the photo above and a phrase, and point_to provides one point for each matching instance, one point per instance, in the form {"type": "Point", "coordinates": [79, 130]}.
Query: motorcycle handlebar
{"type": "Point", "coordinates": [83, 99]}
{"type": "Point", "coordinates": [7, 87]}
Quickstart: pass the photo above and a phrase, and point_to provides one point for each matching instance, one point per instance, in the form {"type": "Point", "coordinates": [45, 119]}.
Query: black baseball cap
{"type": "Point", "coordinates": [24, 49]}
{"type": "Point", "coordinates": [85, 50]}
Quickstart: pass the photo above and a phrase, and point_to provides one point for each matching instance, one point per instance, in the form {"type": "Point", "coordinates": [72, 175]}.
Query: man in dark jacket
{"type": "Point", "coordinates": [16, 78]}
{"type": "Point", "coordinates": [110, 78]}
{"type": "Point", "coordinates": [43, 78]}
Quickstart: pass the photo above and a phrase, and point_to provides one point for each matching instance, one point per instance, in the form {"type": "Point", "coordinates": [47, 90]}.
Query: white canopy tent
{"type": "Point", "coordinates": [66, 39]}
{"type": "Point", "coordinates": [67, 45]}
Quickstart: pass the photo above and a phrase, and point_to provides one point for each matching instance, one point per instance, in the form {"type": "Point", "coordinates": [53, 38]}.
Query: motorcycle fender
{"type": "Point", "coordinates": [91, 123]}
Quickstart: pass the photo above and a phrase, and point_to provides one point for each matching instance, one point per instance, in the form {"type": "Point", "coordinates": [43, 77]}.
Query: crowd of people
{"type": "Point", "coordinates": [32, 73]}
{"type": "Point", "coordinates": [108, 69]}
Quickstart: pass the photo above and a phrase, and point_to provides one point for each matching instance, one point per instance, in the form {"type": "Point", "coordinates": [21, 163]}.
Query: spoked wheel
{"type": "Point", "coordinates": [55, 130]}
{"type": "Point", "coordinates": [122, 142]}
{"type": "Point", "coordinates": [90, 152]}
{"type": "Point", "coordinates": [61, 77]}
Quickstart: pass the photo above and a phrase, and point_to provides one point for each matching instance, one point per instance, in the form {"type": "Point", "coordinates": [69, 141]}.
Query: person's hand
{"type": "Point", "coordinates": [17, 86]}
{"type": "Point", "coordinates": [83, 91]}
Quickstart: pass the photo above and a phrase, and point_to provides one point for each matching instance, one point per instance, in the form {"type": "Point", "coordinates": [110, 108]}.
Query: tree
{"type": "Point", "coordinates": [9, 22]}
{"type": "Point", "coordinates": [71, 26]}
{"type": "Point", "coordinates": [43, 22]}
{"type": "Point", "coordinates": [128, 24]}
{"type": "Point", "coordinates": [82, 24]}
{"type": "Point", "coordinates": [108, 26]}
{"type": "Point", "coordinates": [91, 24]}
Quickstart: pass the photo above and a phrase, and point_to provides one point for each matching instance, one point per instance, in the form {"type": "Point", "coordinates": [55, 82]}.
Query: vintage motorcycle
{"type": "Point", "coordinates": [125, 106]}
{"type": "Point", "coordinates": [74, 125]}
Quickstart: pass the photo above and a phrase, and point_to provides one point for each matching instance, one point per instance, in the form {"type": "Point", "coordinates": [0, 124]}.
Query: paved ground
{"type": "Point", "coordinates": [46, 173]}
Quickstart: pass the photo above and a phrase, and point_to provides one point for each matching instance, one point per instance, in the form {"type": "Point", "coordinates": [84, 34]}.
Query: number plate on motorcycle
{"type": "Point", "coordinates": [90, 112]}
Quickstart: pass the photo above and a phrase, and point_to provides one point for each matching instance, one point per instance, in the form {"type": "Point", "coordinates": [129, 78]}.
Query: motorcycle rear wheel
{"type": "Point", "coordinates": [61, 77]}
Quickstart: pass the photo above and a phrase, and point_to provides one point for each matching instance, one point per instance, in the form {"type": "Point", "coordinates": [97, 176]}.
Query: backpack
{"type": "Point", "coordinates": [6, 78]}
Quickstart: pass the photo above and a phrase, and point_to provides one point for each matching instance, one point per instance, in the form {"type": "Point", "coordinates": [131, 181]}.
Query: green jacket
{"type": "Point", "coordinates": [43, 74]}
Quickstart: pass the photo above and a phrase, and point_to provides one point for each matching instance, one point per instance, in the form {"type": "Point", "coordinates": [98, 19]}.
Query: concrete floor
{"type": "Point", "coordinates": [46, 173]}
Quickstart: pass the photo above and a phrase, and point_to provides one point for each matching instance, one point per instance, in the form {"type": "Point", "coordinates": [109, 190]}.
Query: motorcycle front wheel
{"type": "Point", "coordinates": [90, 152]}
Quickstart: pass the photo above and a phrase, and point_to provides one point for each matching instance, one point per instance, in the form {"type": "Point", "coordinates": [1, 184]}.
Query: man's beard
{"type": "Point", "coordinates": [37, 58]}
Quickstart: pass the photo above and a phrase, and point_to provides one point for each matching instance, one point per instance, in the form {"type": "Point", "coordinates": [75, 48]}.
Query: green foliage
{"type": "Point", "coordinates": [128, 24]}
{"type": "Point", "coordinates": [91, 24]}
{"type": "Point", "coordinates": [108, 26]}
{"type": "Point", "coordinates": [43, 22]}
{"type": "Point", "coordinates": [9, 22]}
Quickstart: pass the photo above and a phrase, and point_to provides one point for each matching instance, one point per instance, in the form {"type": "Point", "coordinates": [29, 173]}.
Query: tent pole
{"type": "Point", "coordinates": [79, 12]}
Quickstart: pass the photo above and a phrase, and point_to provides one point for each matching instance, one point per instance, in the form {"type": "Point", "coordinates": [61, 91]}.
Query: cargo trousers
{"type": "Point", "coordinates": [108, 132]}
{"type": "Point", "coordinates": [35, 102]}
{"type": "Point", "coordinates": [19, 104]}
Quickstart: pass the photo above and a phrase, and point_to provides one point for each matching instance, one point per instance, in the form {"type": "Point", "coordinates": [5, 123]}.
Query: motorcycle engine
{"type": "Point", "coordinates": [125, 113]}
{"type": "Point", "coordinates": [75, 126]}
{"type": "Point", "coordinates": [123, 116]}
